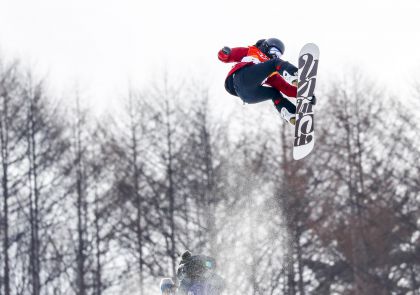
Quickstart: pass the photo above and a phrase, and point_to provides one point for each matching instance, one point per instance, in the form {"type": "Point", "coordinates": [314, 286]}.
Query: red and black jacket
{"type": "Point", "coordinates": [247, 56]}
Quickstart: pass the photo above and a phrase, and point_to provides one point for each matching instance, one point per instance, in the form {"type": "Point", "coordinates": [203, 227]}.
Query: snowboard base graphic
{"type": "Point", "coordinates": [304, 128]}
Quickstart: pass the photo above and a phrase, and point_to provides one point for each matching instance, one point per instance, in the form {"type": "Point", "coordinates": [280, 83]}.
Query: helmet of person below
{"type": "Point", "coordinates": [272, 47]}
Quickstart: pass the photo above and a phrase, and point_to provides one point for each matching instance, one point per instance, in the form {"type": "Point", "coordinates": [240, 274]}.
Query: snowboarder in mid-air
{"type": "Point", "coordinates": [259, 65]}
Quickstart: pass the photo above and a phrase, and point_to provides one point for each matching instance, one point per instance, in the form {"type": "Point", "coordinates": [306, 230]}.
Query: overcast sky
{"type": "Point", "coordinates": [101, 45]}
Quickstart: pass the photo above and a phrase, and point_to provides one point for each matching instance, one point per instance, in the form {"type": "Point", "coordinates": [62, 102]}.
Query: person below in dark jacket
{"type": "Point", "coordinates": [196, 274]}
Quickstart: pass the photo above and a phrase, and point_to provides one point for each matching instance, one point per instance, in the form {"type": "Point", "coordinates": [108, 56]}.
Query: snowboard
{"type": "Point", "coordinates": [304, 127]}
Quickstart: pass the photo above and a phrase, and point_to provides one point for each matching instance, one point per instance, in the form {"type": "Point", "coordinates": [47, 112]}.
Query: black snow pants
{"type": "Point", "coordinates": [247, 83]}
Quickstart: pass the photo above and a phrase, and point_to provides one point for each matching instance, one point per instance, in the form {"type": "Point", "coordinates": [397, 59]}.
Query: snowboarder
{"type": "Point", "coordinates": [261, 64]}
{"type": "Point", "coordinates": [196, 274]}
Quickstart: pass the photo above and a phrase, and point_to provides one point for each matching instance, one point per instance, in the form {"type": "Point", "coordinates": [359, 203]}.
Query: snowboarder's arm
{"type": "Point", "coordinates": [277, 81]}
{"type": "Point", "coordinates": [236, 54]}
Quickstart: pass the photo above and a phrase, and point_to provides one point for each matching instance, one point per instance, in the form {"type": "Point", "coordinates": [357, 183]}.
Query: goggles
{"type": "Point", "coordinates": [274, 52]}
{"type": "Point", "coordinates": [208, 264]}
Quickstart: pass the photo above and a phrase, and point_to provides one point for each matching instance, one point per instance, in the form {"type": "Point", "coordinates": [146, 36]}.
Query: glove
{"type": "Point", "coordinates": [224, 54]}
{"type": "Point", "coordinates": [226, 50]}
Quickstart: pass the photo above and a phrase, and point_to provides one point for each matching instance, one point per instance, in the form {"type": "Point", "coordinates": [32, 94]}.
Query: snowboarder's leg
{"type": "Point", "coordinates": [284, 106]}
{"type": "Point", "coordinates": [258, 94]}
{"type": "Point", "coordinates": [247, 82]}
{"type": "Point", "coordinates": [254, 75]}
{"type": "Point", "coordinates": [286, 109]}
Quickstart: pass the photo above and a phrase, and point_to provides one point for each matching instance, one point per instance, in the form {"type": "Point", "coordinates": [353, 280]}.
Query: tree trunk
{"type": "Point", "coordinates": [170, 192]}
{"type": "Point", "coordinates": [139, 205]}
{"type": "Point", "coordinates": [209, 188]}
{"type": "Point", "coordinates": [355, 229]}
{"type": "Point", "coordinates": [290, 261]}
{"type": "Point", "coordinates": [81, 205]}
{"type": "Point", "coordinates": [98, 277]}
{"type": "Point", "coordinates": [299, 262]}
{"type": "Point", "coordinates": [4, 141]}
{"type": "Point", "coordinates": [33, 200]}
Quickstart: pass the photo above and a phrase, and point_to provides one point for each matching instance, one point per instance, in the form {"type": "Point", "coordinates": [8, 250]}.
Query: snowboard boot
{"type": "Point", "coordinates": [286, 109]}
{"type": "Point", "coordinates": [289, 72]}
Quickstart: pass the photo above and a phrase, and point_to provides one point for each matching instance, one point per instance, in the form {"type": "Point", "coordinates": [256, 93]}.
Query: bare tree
{"type": "Point", "coordinates": [356, 155]}
{"type": "Point", "coordinates": [202, 174]}
{"type": "Point", "coordinates": [133, 182]}
{"type": "Point", "coordinates": [11, 137]}
{"type": "Point", "coordinates": [168, 141]}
